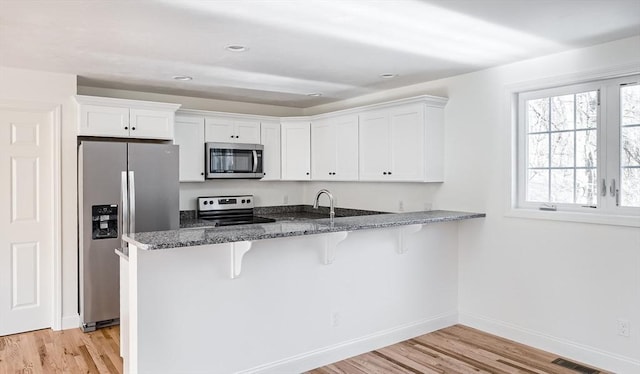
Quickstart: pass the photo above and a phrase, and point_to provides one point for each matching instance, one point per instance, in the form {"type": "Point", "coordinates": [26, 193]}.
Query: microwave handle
{"type": "Point", "coordinates": [255, 161]}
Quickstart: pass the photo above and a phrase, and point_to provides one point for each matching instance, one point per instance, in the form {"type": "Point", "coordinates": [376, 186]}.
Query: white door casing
{"type": "Point", "coordinates": [30, 283]}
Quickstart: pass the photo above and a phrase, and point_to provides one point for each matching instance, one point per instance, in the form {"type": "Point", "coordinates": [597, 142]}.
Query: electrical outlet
{"type": "Point", "coordinates": [623, 327]}
{"type": "Point", "coordinates": [401, 206]}
{"type": "Point", "coordinates": [335, 319]}
{"type": "Point", "coordinates": [285, 199]}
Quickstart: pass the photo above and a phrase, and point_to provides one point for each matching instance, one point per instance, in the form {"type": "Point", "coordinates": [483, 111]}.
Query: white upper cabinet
{"type": "Point", "coordinates": [122, 118]}
{"type": "Point", "coordinates": [296, 149]}
{"type": "Point", "coordinates": [232, 130]}
{"type": "Point", "coordinates": [402, 143]}
{"type": "Point", "coordinates": [189, 135]}
{"type": "Point", "coordinates": [334, 148]}
{"type": "Point", "coordinates": [270, 139]}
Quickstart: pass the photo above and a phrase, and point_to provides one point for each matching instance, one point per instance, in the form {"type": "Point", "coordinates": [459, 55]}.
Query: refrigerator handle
{"type": "Point", "coordinates": [124, 207]}
{"type": "Point", "coordinates": [132, 203]}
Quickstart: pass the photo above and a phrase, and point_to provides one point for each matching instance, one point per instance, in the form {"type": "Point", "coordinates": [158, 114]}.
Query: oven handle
{"type": "Point", "coordinates": [255, 161]}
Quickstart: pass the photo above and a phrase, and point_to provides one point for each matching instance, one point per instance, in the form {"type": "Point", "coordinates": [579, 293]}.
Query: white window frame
{"type": "Point", "coordinates": [608, 166]}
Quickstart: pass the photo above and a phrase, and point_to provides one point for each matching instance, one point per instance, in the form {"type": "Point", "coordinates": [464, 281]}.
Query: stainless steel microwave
{"type": "Point", "coordinates": [233, 160]}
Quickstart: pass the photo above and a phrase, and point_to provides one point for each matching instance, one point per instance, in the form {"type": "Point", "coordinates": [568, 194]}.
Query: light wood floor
{"type": "Point", "coordinates": [457, 349]}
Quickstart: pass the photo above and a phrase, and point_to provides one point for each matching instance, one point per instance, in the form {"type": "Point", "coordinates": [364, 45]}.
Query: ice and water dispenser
{"type": "Point", "coordinates": [105, 221]}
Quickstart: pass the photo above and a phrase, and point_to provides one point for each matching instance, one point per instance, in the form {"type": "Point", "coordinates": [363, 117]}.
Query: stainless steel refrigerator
{"type": "Point", "coordinates": [123, 187]}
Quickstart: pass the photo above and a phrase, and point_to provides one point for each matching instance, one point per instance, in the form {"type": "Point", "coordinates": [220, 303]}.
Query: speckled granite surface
{"type": "Point", "coordinates": [188, 237]}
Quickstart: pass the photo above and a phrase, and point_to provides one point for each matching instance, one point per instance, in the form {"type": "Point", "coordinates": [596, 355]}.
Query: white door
{"type": "Point", "coordinates": [270, 138]}
{"type": "Point", "coordinates": [151, 124]}
{"type": "Point", "coordinates": [323, 150]}
{"type": "Point", "coordinates": [219, 129]}
{"type": "Point", "coordinates": [189, 135]}
{"type": "Point", "coordinates": [296, 150]}
{"type": "Point", "coordinates": [374, 146]}
{"type": "Point", "coordinates": [26, 220]}
{"type": "Point", "coordinates": [247, 131]}
{"type": "Point", "coordinates": [98, 120]}
{"type": "Point", "coordinates": [346, 135]}
{"type": "Point", "coordinates": [407, 143]}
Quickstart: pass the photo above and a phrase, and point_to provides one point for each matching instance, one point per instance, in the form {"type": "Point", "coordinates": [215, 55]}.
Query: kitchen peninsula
{"type": "Point", "coordinates": [285, 296]}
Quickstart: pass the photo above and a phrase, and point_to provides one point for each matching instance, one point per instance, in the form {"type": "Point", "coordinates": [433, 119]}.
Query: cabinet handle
{"type": "Point", "coordinates": [389, 173]}
{"type": "Point", "coordinates": [133, 128]}
{"type": "Point", "coordinates": [201, 173]}
{"type": "Point", "coordinates": [384, 173]}
{"type": "Point", "coordinates": [307, 173]}
{"type": "Point", "coordinates": [126, 127]}
{"type": "Point", "coordinates": [231, 136]}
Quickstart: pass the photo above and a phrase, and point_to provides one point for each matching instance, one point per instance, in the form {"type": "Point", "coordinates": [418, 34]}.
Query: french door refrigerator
{"type": "Point", "coordinates": [122, 188]}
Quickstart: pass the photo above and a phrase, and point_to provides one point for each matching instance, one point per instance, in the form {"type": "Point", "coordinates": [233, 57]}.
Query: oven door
{"type": "Point", "coordinates": [229, 160]}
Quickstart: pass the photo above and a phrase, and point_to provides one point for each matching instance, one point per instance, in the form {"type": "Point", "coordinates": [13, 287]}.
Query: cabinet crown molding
{"type": "Point", "coordinates": [125, 103]}
{"type": "Point", "coordinates": [428, 100]}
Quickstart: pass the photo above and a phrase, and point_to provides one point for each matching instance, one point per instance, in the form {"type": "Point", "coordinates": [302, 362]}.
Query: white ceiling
{"type": "Point", "coordinates": [295, 47]}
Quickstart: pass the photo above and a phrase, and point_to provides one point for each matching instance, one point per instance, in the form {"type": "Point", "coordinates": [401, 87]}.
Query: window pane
{"type": "Point", "coordinates": [538, 186]}
{"type": "Point", "coordinates": [586, 148]}
{"type": "Point", "coordinates": [587, 110]}
{"type": "Point", "coordinates": [562, 186]}
{"type": "Point", "coordinates": [630, 188]}
{"type": "Point", "coordinates": [630, 100]}
{"type": "Point", "coordinates": [586, 186]}
{"type": "Point", "coordinates": [562, 149]}
{"type": "Point", "coordinates": [538, 150]}
{"type": "Point", "coordinates": [630, 150]}
{"type": "Point", "coordinates": [562, 113]}
{"type": "Point", "coordinates": [538, 115]}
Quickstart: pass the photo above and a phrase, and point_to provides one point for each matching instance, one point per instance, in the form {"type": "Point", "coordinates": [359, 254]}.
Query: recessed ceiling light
{"type": "Point", "coordinates": [235, 48]}
{"type": "Point", "coordinates": [314, 94]}
{"type": "Point", "coordinates": [388, 75]}
{"type": "Point", "coordinates": [182, 78]}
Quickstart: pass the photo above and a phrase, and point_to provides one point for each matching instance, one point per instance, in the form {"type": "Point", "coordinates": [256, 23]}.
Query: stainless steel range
{"type": "Point", "coordinates": [229, 210]}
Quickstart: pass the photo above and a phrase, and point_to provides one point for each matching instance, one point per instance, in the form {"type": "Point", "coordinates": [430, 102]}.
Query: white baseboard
{"type": "Point", "coordinates": [71, 322]}
{"type": "Point", "coordinates": [563, 347]}
{"type": "Point", "coordinates": [324, 356]}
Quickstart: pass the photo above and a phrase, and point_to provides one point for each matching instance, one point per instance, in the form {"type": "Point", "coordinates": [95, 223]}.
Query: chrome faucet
{"type": "Point", "coordinates": [332, 213]}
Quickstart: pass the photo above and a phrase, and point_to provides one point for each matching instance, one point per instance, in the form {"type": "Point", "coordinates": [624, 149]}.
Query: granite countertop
{"type": "Point", "coordinates": [195, 236]}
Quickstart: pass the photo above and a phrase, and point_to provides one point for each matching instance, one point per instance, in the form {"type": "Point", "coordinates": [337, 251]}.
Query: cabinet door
{"type": "Point", "coordinates": [189, 135]}
{"type": "Point", "coordinates": [247, 131]}
{"type": "Point", "coordinates": [98, 120]}
{"type": "Point", "coordinates": [151, 124]}
{"type": "Point", "coordinates": [270, 138]}
{"type": "Point", "coordinates": [346, 141]}
{"type": "Point", "coordinates": [407, 143]}
{"type": "Point", "coordinates": [296, 150]}
{"type": "Point", "coordinates": [219, 129]}
{"type": "Point", "coordinates": [374, 146]}
{"type": "Point", "coordinates": [323, 150]}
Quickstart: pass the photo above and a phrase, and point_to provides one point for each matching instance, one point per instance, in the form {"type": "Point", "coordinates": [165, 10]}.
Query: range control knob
{"type": "Point", "coordinates": [206, 202]}
{"type": "Point", "coordinates": [244, 201]}
{"type": "Point", "coordinates": [248, 201]}
{"type": "Point", "coordinates": [211, 202]}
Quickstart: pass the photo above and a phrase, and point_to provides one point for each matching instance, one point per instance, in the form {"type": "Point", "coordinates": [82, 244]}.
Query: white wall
{"type": "Point", "coordinates": [560, 286]}
{"type": "Point", "coordinates": [56, 89]}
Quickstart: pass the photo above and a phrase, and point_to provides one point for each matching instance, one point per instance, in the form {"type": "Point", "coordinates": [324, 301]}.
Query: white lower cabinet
{"type": "Point", "coordinates": [270, 139]}
{"type": "Point", "coordinates": [296, 149]}
{"type": "Point", "coordinates": [334, 148]}
{"type": "Point", "coordinates": [189, 135]}
{"type": "Point", "coordinates": [402, 143]}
